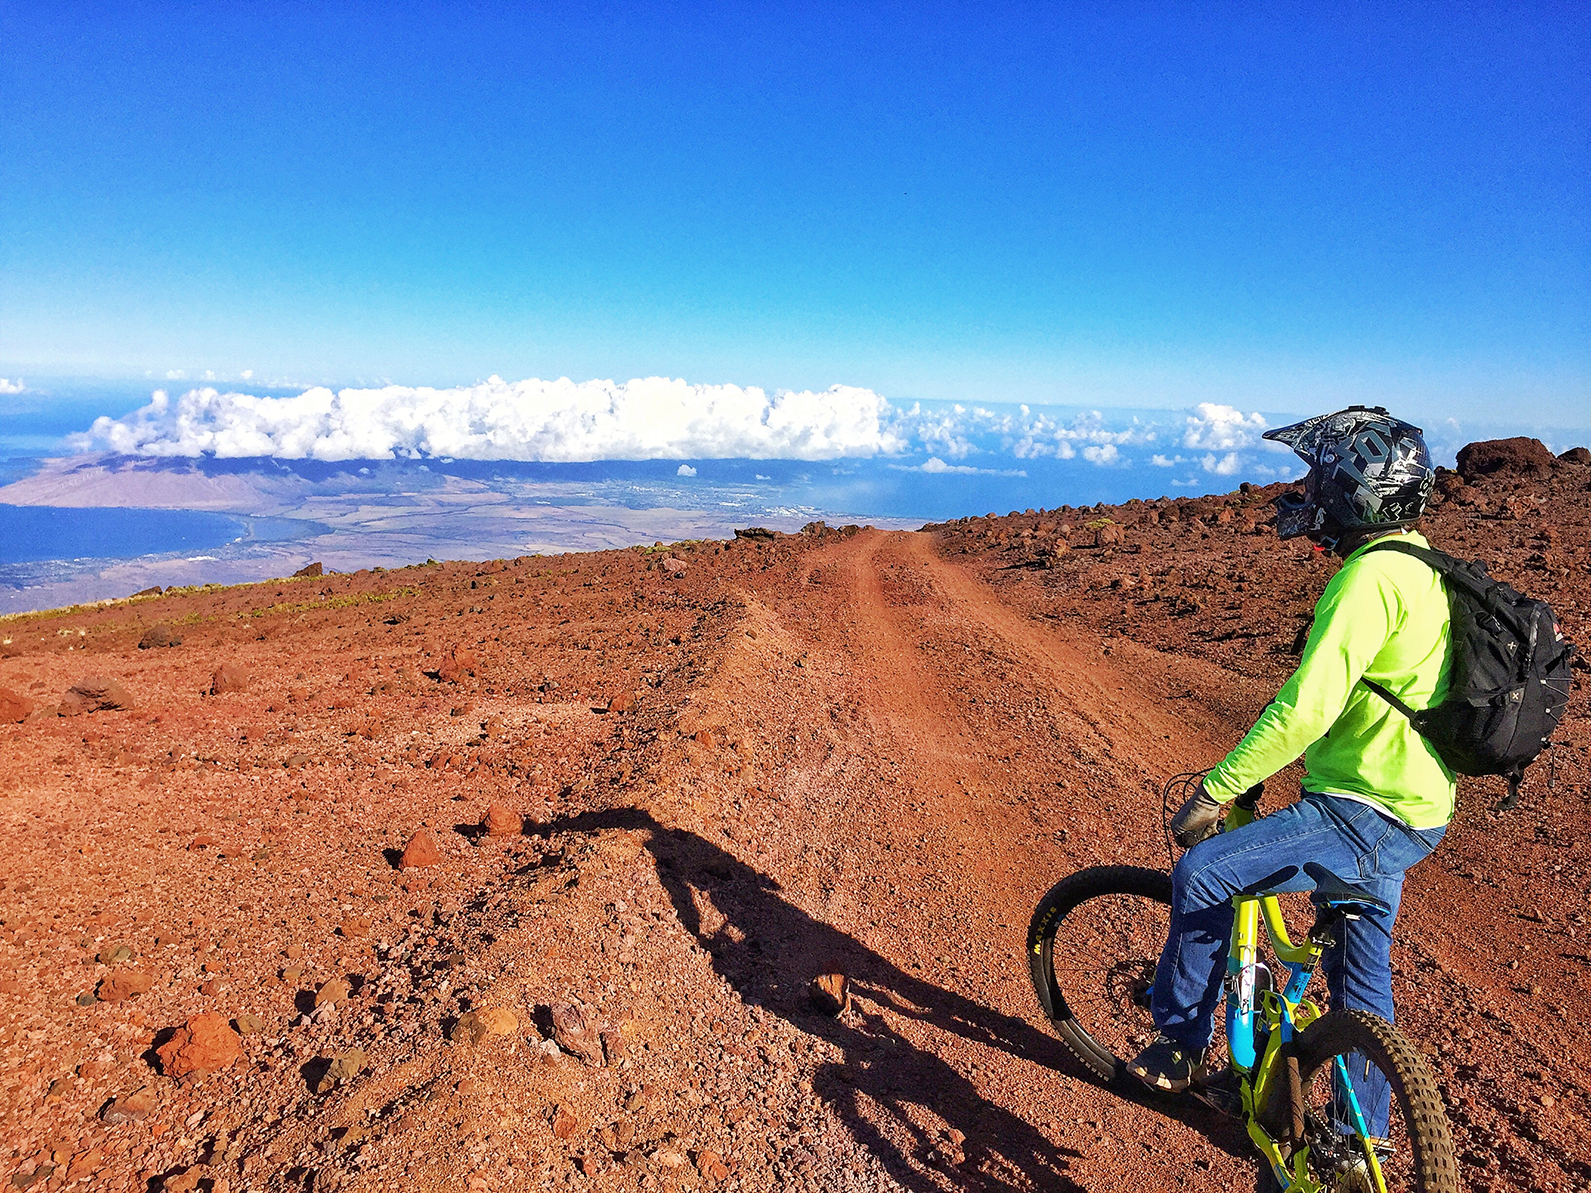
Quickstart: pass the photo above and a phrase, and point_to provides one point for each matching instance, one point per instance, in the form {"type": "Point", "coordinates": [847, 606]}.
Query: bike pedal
{"type": "Point", "coordinates": [1220, 1092]}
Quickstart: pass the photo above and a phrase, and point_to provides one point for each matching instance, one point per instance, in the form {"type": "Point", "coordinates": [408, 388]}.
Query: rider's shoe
{"type": "Point", "coordinates": [1167, 1065]}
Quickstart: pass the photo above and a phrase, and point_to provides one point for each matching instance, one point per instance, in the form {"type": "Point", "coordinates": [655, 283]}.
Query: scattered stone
{"type": "Point", "coordinates": [205, 1044]}
{"type": "Point", "coordinates": [332, 990]}
{"type": "Point", "coordinates": [458, 662]}
{"type": "Point", "coordinates": [421, 850]}
{"type": "Point", "coordinates": [113, 954]}
{"type": "Point", "coordinates": [564, 1124]}
{"type": "Point", "coordinates": [124, 984]}
{"type": "Point", "coordinates": [130, 1108]}
{"type": "Point", "coordinates": [248, 1025]}
{"type": "Point", "coordinates": [294, 761]}
{"type": "Point", "coordinates": [1108, 535]}
{"type": "Point", "coordinates": [830, 993]}
{"type": "Point", "coordinates": [25, 1179]}
{"type": "Point", "coordinates": [668, 1158]}
{"type": "Point", "coordinates": [1516, 455]}
{"type": "Point", "coordinates": [575, 1034]}
{"type": "Point", "coordinates": [159, 634]}
{"type": "Point", "coordinates": [711, 1165]}
{"type": "Point", "coordinates": [354, 927]}
{"type": "Point", "coordinates": [501, 821]}
{"type": "Point", "coordinates": [474, 1026]}
{"type": "Point", "coordinates": [14, 707]}
{"type": "Point", "coordinates": [228, 677]}
{"type": "Point", "coordinates": [309, 569]}
{"type": "Point", "coordinates": [1576, 455]}
{"type": "Point", "coordinates": [95, 693]}
{"type": "Point", "coordinates": [154, 591]}
{"type": "Point", "coordinates": [85, 1164]}
{"type": "Point", "coordinates": [623, 702]}
{"type": "Point", "coordinates": [672, 566]}
{"type": "Point", "coordinates": [186, 1181]}
{"type": "Point", "coordinates": [344, 1067]}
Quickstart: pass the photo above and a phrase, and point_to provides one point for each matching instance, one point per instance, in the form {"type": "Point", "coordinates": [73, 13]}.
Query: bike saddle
{"type": "Point", "coordinates": [1340, 895]}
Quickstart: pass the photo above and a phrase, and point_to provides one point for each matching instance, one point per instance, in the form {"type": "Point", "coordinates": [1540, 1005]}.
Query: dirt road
{"type": "Point", "coordinates": [986, 754]}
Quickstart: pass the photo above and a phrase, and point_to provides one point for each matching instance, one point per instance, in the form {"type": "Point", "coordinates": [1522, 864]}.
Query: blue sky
{"type": "Point", "coordinates": [1121, 206]}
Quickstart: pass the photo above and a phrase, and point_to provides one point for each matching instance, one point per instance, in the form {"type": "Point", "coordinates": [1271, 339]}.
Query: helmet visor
{"type": "Point", "coordinates": [1295, 515]}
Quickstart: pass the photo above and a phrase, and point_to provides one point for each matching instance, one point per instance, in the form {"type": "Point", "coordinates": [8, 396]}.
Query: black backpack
{"type": "Point", "coordinates": [1510, 681]}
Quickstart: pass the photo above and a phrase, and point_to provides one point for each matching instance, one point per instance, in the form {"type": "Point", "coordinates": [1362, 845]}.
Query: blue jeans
{"type": "Point", "coordinates": [1351, 839]}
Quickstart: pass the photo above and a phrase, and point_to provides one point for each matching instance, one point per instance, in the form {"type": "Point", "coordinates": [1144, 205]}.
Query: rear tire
{"type": "Point", "coordinates": [1421, 1157]}
{"type": "Point", "coordinates": [1093, 944]}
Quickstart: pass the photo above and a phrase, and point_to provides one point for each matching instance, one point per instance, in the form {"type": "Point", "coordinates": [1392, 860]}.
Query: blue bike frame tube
{"type": "Point", "coordinates": [1240, 975]}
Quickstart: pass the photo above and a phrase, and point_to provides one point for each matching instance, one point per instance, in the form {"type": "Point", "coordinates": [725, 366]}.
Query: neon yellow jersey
{"type": "Point", "coordinates": [1383, 616]}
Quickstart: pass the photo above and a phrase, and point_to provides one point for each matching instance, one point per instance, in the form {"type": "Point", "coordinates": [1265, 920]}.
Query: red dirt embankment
{"type": "Point", "coordinates": [864, 754]}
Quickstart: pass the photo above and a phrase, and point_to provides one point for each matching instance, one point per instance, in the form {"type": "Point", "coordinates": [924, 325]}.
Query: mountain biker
{"type": "Point", "coordinates": [1376, 798]}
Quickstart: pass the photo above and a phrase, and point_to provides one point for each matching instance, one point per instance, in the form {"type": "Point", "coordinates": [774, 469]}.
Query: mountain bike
{"type": "Point", "coordinates": [1307, 1084]}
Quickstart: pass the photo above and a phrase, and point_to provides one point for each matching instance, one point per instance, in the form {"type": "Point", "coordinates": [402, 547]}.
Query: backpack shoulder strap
{"type": "Point", "coordinates": [1386, 694]}
{"type": "Point", "coordinates": [1438, 561]}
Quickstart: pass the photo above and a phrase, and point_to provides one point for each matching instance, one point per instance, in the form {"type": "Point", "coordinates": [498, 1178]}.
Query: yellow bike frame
{"type": "Point", "coordinates": [1274, 1017]}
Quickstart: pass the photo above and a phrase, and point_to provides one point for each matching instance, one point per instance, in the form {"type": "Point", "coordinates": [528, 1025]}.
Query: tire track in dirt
{"type": "Point", "coordinates": [917, 638]}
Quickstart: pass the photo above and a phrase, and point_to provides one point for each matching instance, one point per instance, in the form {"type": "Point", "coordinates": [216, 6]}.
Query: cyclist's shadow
{"type": "Point", "coordinates": [769, 949]}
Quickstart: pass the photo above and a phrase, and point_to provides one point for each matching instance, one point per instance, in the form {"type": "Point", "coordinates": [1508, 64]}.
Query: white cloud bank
{"type": "Point", "coordinates": [556, 421]}
{"type": "Point", "coordinates": [656, 418]}
{"type": "Point", "coordinates": [8, 386]}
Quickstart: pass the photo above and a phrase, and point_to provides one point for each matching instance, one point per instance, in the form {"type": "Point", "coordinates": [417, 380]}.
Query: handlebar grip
{"type": "Point", "coordinates": [1249, 801]}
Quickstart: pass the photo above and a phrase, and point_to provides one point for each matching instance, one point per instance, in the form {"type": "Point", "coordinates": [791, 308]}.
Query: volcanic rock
{"type": "Point", "coordinates": [344, 1067]}
{"type": "Point", "coordinates": [14, 707]}
{"type": "Point", "coordinates": [564, 1124]}
{"type": "Point", "coordinates": [474, 1026]}
{"type": "Point", "coordinates": [203, 1045]}
{"type": "Point", "coordinates": [575, 1034]}
{"type": "Point", "coordinates": [712, 1167]}
{"type": "Point", "coordinates": [159, 634]}
{"type": "Point", "coordinates": [672, 566]}
{"type": "Point", "coordinates": [1516, 455]}
{"type": "Point", "coordinates": [309, 569]}
{"type": "Point", "coordinates": [458, 662]}
{"type": "Point", "coordinates": [622, 702]}
{"type": "Point", "coordinates": [1576, 455]}
{"type": "Point", "coordinates": [228, 677]}
{"type": "Point", "coordinates": [421, 850]}
{"type": "Point", "coordinates": [332, 990]}
{"type": "Point", "coordinates": [95, 693]}
{"type": "Point", "coordinates": [501, 821]}
{"type": "Point", "coordinates": [1107, 535]}
{"type": "Point", "coordinates": [830, 993]}
{"type": "Point", "coordinates": [130, 1108]}
{"type": "Point", "coordinates": [124, 984]}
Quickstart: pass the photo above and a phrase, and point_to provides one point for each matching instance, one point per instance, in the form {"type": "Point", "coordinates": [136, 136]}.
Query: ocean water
{"type": "Point", "coordinates": [34, 533]}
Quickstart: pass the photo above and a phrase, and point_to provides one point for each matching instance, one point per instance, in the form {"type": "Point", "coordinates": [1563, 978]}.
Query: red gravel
{"type": "Point", "coordinates": [845, 754]}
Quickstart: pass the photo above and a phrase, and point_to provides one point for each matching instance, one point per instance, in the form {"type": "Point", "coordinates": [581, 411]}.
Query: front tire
{"type": "Point", "coordinates": [1093, 944]}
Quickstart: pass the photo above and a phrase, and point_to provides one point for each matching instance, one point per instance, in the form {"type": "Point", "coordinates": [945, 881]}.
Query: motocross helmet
{"type": "Point", "coordinates": [1367, 471]}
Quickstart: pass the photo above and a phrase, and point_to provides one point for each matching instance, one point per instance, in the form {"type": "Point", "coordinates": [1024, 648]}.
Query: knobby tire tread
{"type": "Point", "coordinates": [1049, 917]}
{"type": "Point", "coordinates": [1424, 1116]}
